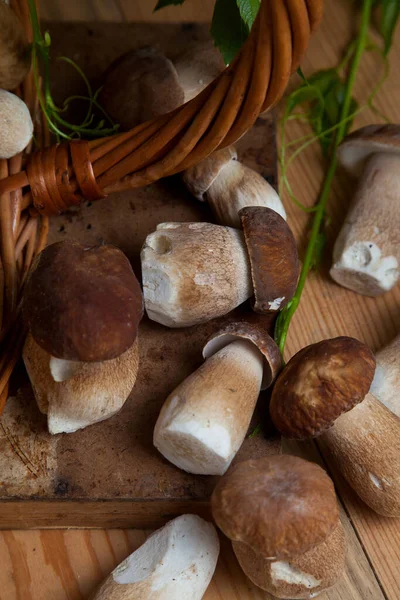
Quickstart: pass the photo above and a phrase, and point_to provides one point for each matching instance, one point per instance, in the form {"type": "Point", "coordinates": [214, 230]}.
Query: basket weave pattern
{"type": "Point", "coordinates": [34, 186]}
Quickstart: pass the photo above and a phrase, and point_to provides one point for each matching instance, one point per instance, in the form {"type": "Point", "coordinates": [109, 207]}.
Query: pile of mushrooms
{"type": "Point", "coordinates": [176, 562]}
{"type": "Point", "coordinates": [366, 256]}
{"type": "Point", "coordinates": [282, 516]}
{"type": "Point", "coordinates": [324, 390]}
{"type": "Point", "coordinates": [204, 421]}
{"type": "Point", "coordinates": [83, 307]}
{"type": "Point", "coordinates": [195, 272]}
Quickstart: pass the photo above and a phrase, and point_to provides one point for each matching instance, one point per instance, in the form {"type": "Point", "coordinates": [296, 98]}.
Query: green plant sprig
{"type": "Point", "coordinates": [56, 123]}
{"type": "Point", "coordinates": [346, 111]}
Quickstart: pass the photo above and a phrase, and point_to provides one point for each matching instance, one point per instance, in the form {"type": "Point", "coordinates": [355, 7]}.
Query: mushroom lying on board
{"type": "Point", "coordinates": [204, 421]}
{"type": "Point", "coordinates": [143, 83]}
{"type": "Point", "coordinates": [16, 128]}
{"type": "Point", "coordinates": [83, 307]}
{"type": "Point", "coordinates": [176, 562]}
{"type": "Point", "coordinates": [324, 389]}
{"type": "Point", "coordinates": [366, 257]}
{"type": "Point", "coordinates": [15, 52]}
{"type": "Point", "coordinates": [228, 186]}
{"type": "Point", "coordinates": [195, 272]}
{"type": "Point", "coordinates": [386, 383]}
{"type": "Point", "coordinates": [282, 516]}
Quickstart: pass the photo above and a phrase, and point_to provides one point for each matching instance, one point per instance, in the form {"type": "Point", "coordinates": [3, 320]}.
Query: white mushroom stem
{"type": "Point", "coordinates": [204, 421]}
{"type": "Point", "coordinates": [16, 125]}
{"type": "Point", "coordinates": [386, 384]}
{"type": "Point", "coordinates": [177, 562]}
{"type": "Point", "coordinates": [194, 272]}
{"type": "Point", "coordinates": [303, 576]}
{"type": "Point", "coordinates": [236, 187]}
{"type": "Point", "coordinates": [366, 256]}
{"type": "Point", "coordinates": [365, 444]}
{"type": "Point", "coordinates": [75, 395]}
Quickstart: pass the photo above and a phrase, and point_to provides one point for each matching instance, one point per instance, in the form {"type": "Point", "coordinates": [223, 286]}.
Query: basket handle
{"type": "Point", "coordinates": [253, 83]}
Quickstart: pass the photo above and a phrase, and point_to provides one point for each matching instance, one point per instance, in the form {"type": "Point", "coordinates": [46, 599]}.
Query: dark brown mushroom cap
{"type": "Point", "coordinates": [82, 303]}
{"type": "Point", "coordinates": [273, 257]}
{"type": "Point", "coordinates": [140, 85]}
{"type": "Point", "coordinates": [357, 147]}
{"type": "Point", "coordinates": [318, 384]}
{"type": "Point", "coordinates": [254, 329]}
{"type": "Point", "coordinates": [281, 506]}
{"type": "Point", "coordinates": [200, 177]}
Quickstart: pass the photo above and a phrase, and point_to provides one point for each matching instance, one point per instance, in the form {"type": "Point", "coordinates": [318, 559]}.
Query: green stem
{"type": "Point", "coordinates": [286, 315]}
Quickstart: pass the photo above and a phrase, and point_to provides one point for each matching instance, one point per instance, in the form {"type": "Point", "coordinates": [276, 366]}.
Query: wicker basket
{"type": "Point", "coordinates": [47, 182]}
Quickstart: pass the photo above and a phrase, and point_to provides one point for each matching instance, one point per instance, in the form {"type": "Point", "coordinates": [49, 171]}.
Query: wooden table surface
{"type": "Point", "coordinates": [67, 565]}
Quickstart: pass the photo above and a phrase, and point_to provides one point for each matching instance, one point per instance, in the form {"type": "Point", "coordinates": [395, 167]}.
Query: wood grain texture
{"type": "Point", "coordinates": [68, 565]}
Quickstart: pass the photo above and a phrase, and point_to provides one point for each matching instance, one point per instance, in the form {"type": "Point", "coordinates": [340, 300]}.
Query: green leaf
{"type": "Point", "coordinates": [164, 3]}
{"type": "Point", "coordinates": [228, 29]}
{"type": "Point", "coordinates": [301, 96]}
{"type": "Point", "coordinates": [248, 10]}
{"type": "Point", "coordinates": [389, 18]}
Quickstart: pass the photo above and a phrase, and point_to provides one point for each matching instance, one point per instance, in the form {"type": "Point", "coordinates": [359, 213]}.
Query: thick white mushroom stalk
{"type": "Point", "coordinates": [386, 384]}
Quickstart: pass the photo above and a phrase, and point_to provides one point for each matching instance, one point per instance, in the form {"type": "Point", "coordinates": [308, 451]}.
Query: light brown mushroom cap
{"type": "Point", "coordinates": [281, 506]}
{"type": "Point", "coordinates": [200, 177]}
{"type": "Point", "coordinates": [357, 148]}
{"type": "Point", "coordinates": [140, 85]}
{"type": "Point", "coordinates": [318, 384]}
{"type": "Point", "coordinates": [16, 128]}
{"type": "Point", "coordinates": [15, 51]}
{"type": "Point", "coordinates": [305, 576]}
{"type": "Point", "coordinates": [273, 257]}
{"type": "Point", "coordinates": [254, 329]}
{"type": "Point", "coordinates": [197, 66]}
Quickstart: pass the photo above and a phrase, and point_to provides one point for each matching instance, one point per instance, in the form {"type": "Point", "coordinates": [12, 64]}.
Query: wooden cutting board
{"type": "Point", "coordinates": [110, 475]}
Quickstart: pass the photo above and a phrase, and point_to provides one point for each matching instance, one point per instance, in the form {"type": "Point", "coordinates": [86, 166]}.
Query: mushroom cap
{"type": "Point", "coordinates": [83, 303]}
{"type": "Point", "coordinates": [254, 329]}
{"type": "Point", "coordinates": [280, 506]}
{"type": "Point", "coordinates": [200, 177]}
{"type": "Point", "coordinates": [197, 66]}
{"type": "Point", "coordinates": [16, 125]}
{"type": "Point", "coordinates": [15, 54]}
{"type": "Point", "coordinates": [357, 147]}
{"type": "Point", "coordinates": [273, 257]}
{"type": "Point", "coordinates": [140, 85]}
{"type": "Point", "coordinates": [318, 384]}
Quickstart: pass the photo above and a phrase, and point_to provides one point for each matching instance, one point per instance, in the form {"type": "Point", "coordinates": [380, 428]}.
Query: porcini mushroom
{"type": "Point", "coordinates": [195, 272]}
{"type": "Point", "coordinates": [282, 516]}
{"type": "Point", "coordinates": [386, 383]}
{"type": "Point", "coordinates": [204, 421]}
{"type": "Point", "coordinates": [16, 124]}
{"type": "Point", "coordinates": [83, 307]}
{"type": "Point", "coordinates": [14, 49]}
{"type": "Point", "coordinates": [228, 186]}
{"type": "Point", "coordinates": [324, 389]}
{"type": "Point", "coordinates": [366, 255]}
{"type": "Point", "coordinates": [176, 562]}
{"type": "Point", "coordinates": [197, 66]}
{"type": "Point", "coordinates": [140, 85]}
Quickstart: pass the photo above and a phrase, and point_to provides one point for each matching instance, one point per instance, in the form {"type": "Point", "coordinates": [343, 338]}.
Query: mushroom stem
{"type": "Point", "coordinates": [194, 272]}
{"type": "Point", "coordinates": [365, 443]}
{"type": "Point", "coordinates": [303, 576]}
{"type": "Point", "coordinates": [176, 562]}
{"type": "Point", "coordinates": [386, 384]}
{"type": "Point", "coordinates": [87, 393]}
{"type": "Point", "coordinates": [367, 253]}
{"type": "Point", "coordinates": [204, 421]}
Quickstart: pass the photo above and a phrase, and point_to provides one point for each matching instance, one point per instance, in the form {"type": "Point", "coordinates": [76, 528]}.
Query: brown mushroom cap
{"type": "Point", "coordinates": [281, 506]}
{"type": "Point", "coordinates": [357, 148]}
{"type": "Point", "coordinates": [318, 384]}
{"type": "Point", "coordinates": [254, 329]}
{"type": "Point", "coordinates": [15, 51]}
{"type": "Point", "coordinates": [140, 85]}
{"type": "Point", "coordinates": [83, 303]}
{"type": "Point", "coordinates": [273, 257]}
{"type": "Point", "coordinates": [200, 177]}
